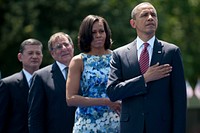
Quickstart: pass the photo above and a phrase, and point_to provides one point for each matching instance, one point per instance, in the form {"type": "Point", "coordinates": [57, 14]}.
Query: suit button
{"type": "Point", "coordinates": [142, 114]}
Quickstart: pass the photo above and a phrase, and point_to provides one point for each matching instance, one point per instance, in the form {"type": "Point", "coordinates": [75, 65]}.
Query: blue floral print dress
{"type": "Point", "coordinates": [95, 119]}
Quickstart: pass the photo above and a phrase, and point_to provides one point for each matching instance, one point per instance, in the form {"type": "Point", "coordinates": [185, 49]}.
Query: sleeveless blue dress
{"type": "Point", "coordinates": [95, 119]}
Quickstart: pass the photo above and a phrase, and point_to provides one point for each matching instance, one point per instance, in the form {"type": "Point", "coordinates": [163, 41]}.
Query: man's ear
{"type": "Point", "coordinates": [132, 23]}
{"type": "Point", "coordinates": [19, 56]}
{"type": "Point", "coordinates": [52, 53]}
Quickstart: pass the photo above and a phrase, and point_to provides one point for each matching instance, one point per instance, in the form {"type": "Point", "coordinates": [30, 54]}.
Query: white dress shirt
{"type": "Point", "coordinates": [62, 68]}
{"type": "Point", "coordinates": [140, 47]}
{"type": "Point", "coordinates": [28, 77]}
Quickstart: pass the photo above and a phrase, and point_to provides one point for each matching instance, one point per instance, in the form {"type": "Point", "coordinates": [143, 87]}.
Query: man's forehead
{"type": "Point", "coordinates": [29, 48]}
{"type": "Point", "coordinates": [144, 9]}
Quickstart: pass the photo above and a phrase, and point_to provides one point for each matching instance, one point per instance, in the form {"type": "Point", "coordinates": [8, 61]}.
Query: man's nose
{"type": "Point", "coordinates": [150, 17]}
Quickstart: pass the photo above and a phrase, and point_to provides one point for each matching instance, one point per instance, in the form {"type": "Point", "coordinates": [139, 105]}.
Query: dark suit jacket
{"type": "Point", "coordinates": [161, 106]}
{"type": "Point", "coordinates": [13, 104]}
{"type": "Point", "coordinates": [48, 110]}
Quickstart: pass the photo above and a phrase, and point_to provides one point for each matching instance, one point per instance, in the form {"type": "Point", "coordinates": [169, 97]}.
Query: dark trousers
{"type": "Point", "coordinates": [144, 131]}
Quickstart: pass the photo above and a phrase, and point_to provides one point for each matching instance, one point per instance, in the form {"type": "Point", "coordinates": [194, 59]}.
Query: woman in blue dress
{"type": "Point", "coordinates": [88, 72]}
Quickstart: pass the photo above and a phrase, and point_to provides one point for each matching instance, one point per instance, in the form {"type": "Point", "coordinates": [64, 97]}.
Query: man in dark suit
{"type": "Point", "coordinates": [14, 89]}
{"type": "Point", "coordinates": [153, 101]}
{"type": "Point", "coordinates": [48, 110]}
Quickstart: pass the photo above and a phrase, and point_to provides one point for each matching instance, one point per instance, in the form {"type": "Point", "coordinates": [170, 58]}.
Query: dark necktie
{"type": "Point", "coordinates": [30, 82]}
{"type": "Point", "coordinates": [144, 59]}
{"type": "Point", "coordinates": [66, 72]}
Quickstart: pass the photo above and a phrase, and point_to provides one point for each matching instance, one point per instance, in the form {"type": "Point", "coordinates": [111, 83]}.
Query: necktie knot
{"type": "Point", "coordinates": [145, 46]}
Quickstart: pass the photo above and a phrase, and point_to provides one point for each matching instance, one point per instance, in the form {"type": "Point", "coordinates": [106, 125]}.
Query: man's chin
{"type": "Point", "coordinates": [35, 64]}
{"type": "Point", "coordinates": [150, 32]}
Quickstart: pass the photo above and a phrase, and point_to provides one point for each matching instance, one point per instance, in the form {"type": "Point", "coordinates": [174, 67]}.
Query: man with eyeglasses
{"type": "Point", "coordinates": [48, 110]}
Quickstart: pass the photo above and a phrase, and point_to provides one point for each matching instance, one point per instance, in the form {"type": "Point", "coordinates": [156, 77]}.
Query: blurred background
{"type": "Point", "coordinates": [179, 23]}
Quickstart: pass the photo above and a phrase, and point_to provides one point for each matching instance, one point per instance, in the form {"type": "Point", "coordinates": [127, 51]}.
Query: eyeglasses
{"type": "Point", "coordinates": [60, 46]}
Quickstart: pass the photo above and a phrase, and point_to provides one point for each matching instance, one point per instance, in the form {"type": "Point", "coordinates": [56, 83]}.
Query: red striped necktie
{"type": "Point", "coordinates": [144, 59]}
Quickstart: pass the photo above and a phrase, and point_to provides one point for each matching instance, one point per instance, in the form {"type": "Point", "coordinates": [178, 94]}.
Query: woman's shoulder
{"type": "Point", "coordinates": [77, 59]}
{"type": "Point", "coordinates": [76, 62]}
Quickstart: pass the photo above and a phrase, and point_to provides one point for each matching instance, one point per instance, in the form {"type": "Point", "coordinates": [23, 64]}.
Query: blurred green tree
{"type": "Point", "coordinates": [179, 23]}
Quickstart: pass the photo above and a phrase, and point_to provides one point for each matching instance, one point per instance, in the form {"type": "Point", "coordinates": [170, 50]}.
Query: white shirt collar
{"type": "Point", "coordinates": [27, 75]}
{"type": "Point", "coordinates": [62, 68]}
{"type": "Point", "coordinates": [60, 65]}
{"type": "Point", "coordinates": [140, 42]}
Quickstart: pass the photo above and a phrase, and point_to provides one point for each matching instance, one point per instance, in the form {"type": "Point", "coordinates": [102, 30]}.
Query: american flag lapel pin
{"type": "Point", "coordinates": [159, 52]}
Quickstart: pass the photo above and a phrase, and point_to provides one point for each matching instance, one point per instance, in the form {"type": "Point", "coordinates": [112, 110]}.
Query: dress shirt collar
{"type": "Point", "coordinates": [61, 66]}
{"type": "Point", "coordinates": [140, 42]}
{"type": "Point", "coordinates": [27, 75]}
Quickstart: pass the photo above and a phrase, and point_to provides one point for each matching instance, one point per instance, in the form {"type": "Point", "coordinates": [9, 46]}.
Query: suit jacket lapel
{"type": "Point", "coordinates": [58, 78]}
{"type": "Point", "coordinates": [23, 85]}
{"type": "Point", "coordinates": [22, 80]}
{"type": "Point", "coordinates": [157, 52]}
{"type": "Point", "coordinates": [132, 57]}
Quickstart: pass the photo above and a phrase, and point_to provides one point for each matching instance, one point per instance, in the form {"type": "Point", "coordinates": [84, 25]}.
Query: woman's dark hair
{"type": "Point", "coordinates": [85, 33]}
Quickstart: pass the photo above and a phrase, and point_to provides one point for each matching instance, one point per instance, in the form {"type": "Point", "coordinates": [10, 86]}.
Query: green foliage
{"type": "Point", "coordinates": [179, 23]}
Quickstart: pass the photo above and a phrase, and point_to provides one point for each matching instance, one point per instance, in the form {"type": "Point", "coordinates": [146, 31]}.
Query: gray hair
{"type": "Point", "coordinates": [30, 41]}
{"type": "Point", "coordinates": [57, 35]}
{"type": "Point", "coordinates": [135, 9]}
